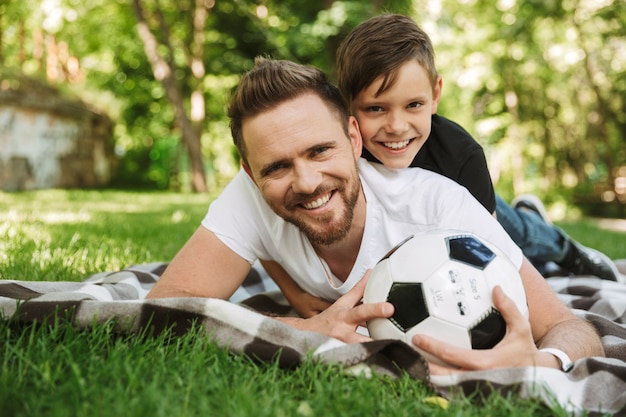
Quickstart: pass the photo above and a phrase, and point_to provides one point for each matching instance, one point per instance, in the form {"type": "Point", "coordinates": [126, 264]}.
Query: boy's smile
{"type": "Point", "coordinates": [396, 123]}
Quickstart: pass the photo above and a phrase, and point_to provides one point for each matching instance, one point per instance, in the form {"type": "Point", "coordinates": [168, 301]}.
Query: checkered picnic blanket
{"type": "Point", "coordinates": [595, 385]}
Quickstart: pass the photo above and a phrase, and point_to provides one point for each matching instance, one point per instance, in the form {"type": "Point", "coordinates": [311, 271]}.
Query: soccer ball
{"type": "Point", "coordinates": [440, 284]}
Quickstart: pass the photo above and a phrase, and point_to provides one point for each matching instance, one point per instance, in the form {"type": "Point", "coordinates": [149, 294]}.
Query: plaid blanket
{"type": "Point", "coordinates": [594, 386]}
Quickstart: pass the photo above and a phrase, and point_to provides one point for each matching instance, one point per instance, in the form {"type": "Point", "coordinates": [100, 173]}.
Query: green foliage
{"type": "Point", "coordinates": [540, 78]}
{"type": "Point", "coordinates": [540, 84]}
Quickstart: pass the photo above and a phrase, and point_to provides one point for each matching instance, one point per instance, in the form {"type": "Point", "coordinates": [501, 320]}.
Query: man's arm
{"type": "Point", "coordinates": [553, 323]}
{"type": "Point", "coordinates": [204, 267]}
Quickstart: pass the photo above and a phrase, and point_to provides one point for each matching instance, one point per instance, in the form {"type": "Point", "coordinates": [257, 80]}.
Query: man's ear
{"type": "Point", "coordinates": [247, 170]}
{"type": "Point", "coordinates": [437, 93]}
{"type": "Point", "coordinates": [354, 134]}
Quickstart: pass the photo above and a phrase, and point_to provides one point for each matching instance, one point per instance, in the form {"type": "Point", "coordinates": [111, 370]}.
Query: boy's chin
{"type": "Point", "coordinates": [398, 161]}
{"type": "Point", "coordinates": [398, 164]}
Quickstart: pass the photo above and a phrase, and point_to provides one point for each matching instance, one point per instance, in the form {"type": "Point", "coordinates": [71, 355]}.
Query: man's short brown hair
{"type": "Point", "coordinates": [272, 82]}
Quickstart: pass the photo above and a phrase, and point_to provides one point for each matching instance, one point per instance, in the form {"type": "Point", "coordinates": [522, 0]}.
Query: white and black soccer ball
{"type": "Point", "coordinates": [440, 284]}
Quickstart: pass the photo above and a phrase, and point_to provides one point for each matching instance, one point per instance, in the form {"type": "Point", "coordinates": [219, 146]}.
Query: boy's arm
{"type": "Point", "coordinates": [204, 267]}
{"type": "Point", "coordinates": [305, 304]}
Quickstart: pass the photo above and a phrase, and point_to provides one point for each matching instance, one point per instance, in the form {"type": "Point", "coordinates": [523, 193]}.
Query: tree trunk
{"type": "Point", "coordinates": [164, 72]}
{"type": "Point", "coordinates": [603, 108]}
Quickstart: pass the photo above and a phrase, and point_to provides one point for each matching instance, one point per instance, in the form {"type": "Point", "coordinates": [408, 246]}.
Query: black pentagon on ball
{"type": "Point", "coordinates": [489, 331]}
{"type": "Point", "coordinates": [409, 304]}
{"type": "Point", "coordinates": [469, 250]}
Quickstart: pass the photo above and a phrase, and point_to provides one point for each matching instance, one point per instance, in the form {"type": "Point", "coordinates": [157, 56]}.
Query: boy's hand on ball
{"type": "Point", "coordinates": [516, 349]}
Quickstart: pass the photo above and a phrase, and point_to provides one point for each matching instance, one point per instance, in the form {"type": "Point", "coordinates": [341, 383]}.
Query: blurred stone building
{"type": "Point", "coordinates": [49, 141]}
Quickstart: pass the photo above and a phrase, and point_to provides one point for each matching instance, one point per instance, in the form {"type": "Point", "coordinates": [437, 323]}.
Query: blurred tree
{"type": "Point", "coordinates": [156, 35]}
{"type": "Point", "coordinates": [540, 84]}
{"type": "Point", "coordinates": [545, 81]}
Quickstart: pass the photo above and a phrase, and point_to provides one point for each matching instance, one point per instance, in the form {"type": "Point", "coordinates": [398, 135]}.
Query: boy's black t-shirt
{"type": "Point", "coordinates": [451, 151]}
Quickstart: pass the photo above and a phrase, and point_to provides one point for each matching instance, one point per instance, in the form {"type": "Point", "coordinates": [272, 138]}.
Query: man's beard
{"type": "Point", "coordinates": [333, 230]}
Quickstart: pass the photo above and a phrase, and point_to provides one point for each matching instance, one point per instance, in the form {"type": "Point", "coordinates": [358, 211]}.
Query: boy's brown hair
{"type": "Point", "coordinates": [378, 47]}
{"type": "Point", "coordinates": [272, 82]}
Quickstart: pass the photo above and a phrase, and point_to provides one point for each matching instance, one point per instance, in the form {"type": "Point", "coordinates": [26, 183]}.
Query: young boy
{"type": "Point", "coordinates": [387, 73]}
{"type": "Point", "coordinates": [386, 70]}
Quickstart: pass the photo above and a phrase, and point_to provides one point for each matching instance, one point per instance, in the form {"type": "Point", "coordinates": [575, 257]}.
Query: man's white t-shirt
{"type": "Point", "coordinates": [400, 203]}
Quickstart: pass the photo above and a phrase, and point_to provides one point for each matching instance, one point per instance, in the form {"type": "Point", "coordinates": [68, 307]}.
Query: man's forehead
{"type": "Point", "coordinates": [292, 126]}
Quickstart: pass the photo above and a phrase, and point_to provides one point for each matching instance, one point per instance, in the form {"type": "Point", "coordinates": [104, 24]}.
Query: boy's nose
{"type": "Point", "coordinates": [396, 123]}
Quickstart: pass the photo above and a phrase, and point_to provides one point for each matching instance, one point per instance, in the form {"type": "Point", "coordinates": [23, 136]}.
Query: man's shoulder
{"type": "Point", "coordinates": [381, 178]}
{"type": "Point", "coordinates": [241, 198]}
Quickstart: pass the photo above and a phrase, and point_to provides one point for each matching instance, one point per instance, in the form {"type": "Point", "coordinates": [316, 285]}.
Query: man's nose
{"type": "Point", "coordinates": [306, 178]}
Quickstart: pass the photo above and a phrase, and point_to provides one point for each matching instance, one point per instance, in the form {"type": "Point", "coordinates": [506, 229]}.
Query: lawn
{"type": "Point", "coordinates": [60, 371]}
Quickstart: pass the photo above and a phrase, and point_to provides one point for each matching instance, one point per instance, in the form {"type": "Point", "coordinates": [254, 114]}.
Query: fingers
{"type": "Point", "coordinates": [349, 319]}
{"type": "Point", "coordinates": [514, 319]}
{"type": "Point", "coordinates": [341, 318]}
{"type": "Point", "coordinates": [366, 312]}
{"type": "Point", "coordinates": [504, 304]}
{"type": "Point", "coordinates": [354, 296]}
{"type": "Point", "coordinates": [455, 356]}
{"type": "Point", "coordinates": [513, 350]}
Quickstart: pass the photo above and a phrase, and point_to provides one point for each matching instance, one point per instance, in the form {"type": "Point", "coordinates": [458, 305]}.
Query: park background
{"type": "Point", "coordinates": [540, 84]}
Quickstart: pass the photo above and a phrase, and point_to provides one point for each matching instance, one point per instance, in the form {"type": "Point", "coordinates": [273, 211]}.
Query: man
{"type": "Point", "coordinates": [301, 201]}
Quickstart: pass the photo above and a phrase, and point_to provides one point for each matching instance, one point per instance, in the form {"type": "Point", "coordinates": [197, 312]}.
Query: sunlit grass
{"type": "Point", "coordinates": [62, 371]}
{"type": "Point", "coordinates": [589, 233]}
{"type": "Point", "coordinates": [65, 235]}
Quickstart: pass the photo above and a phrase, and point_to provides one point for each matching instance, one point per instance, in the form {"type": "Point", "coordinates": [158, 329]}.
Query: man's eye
{"type": "Point", "coordinates": [320, 150]}
{"type": "Point", "coordinates": [272, 169]}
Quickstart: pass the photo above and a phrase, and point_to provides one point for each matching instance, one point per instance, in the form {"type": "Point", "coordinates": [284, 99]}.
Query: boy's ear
{"type": "Point", "coordinates": [355, 137]}
{"type": "Point", "coordinates": [437, 93]}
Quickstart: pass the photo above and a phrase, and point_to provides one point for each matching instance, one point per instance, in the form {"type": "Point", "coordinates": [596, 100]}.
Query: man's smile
{"type": "Point", "coordinates": [319, 202]}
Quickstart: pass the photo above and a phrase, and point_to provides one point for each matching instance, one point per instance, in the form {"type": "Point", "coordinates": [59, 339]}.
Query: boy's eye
{"type": "Point", "coordinates": [374, 109]}
{"type": "Point", "coordinates": [414, 105]}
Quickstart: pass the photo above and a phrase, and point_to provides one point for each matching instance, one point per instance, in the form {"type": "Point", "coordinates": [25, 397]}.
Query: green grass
{"type": "Point", "coordinates": [60, 371]}
{"type": "Point", "coordinates": [586, 231]}
{"type": "Point", "coordinates": [65, 235]}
